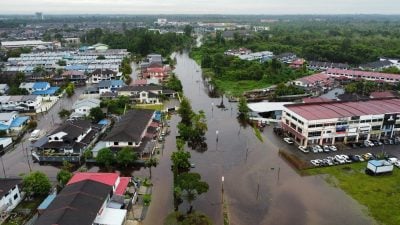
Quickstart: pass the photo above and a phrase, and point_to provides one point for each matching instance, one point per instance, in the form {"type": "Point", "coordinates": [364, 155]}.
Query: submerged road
{"type": "Point", "coordinates": [260, 187]}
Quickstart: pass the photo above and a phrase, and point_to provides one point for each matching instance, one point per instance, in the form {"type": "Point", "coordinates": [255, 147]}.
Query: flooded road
{"type": "Point", "coordinates": [259, 186]}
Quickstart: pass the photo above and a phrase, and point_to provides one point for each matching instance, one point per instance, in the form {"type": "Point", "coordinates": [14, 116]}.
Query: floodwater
{"type": "Point", "coordinates": [259, 186]}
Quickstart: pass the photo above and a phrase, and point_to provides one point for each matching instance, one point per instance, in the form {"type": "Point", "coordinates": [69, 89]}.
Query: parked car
{"type": "Point", "coordinates": [386, 141]}
{"type": "Point", "coordinates": [288, 140]}
{"type": "Point", "coordinates": [303, 149]}
{"type": "Point", "coordinates": [319, 148]}
{"type": "Point", "coordinates": [314, 149]}
{"type": "Point", "coordinates": [392, 160]}
{"type": "Point", "coordinates": [326, 148]}
{"type": "Point", "coordinates": [314, 162]}
{"type": "Point", "coordinates": [339, 159]}
{"type": "Point", "coordinates": [333, 148]}
{"type": "Point", "coordinates": [361, 159]}
{"type": "Point", "coordinates": [397, 163]}
{"type": "Point", "coordinates": [367, 156]}
{"type": "Point", "coordinates": [368, 143]}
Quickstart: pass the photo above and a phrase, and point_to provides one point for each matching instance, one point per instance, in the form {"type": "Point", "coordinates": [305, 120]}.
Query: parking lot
{"type": "Point", "coordinates": [391, 150]}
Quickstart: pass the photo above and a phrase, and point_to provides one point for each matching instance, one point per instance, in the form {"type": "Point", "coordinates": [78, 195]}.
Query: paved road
{"type": "Point", "coordinates": [19, 161]}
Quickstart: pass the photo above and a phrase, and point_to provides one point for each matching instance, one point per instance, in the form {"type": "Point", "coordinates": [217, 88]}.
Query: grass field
{"type": "Point", "coordinates": [380, 194]}
{"type": "Point", "coordinates": [236, 88]}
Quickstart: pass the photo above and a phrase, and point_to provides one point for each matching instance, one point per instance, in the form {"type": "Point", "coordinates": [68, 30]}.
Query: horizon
{"type": "Point", "coordinates": [199, 7]}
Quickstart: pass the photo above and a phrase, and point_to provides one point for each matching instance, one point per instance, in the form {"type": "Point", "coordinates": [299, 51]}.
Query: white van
{"type": "Point", "coordinates": [35, 135]}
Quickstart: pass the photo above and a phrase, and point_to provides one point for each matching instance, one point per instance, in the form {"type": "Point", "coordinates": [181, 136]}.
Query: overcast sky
{"type": "Point", "coordinates": [201, 6]}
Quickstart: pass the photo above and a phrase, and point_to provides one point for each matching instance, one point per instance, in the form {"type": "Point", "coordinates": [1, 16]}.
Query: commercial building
{"type": "Point", "coordinates": [331, 122]}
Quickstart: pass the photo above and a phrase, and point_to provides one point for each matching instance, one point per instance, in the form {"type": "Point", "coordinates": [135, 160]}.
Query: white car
{"type": "Point", "coordinates": [315, 162]}
{"type": "Point", "coordinates": [303, 149]}
{"type": "Point", "coordinates": [333, 148]}
{"type": "Point", "coordinates": [340, 159]}
{"type": "Point", "coordinates": [326, 148]}
{"type": "Point", "coordinates": [319, 148]}
{"type": "Point", "coordinates": [288, 140]}
{"type": "Point", "coordinates": [314, 149]}
{"type": "Point", "coordinates": [397, 163]}
{"type": "Point", "coordinates": [368, 143]}
{"type": "Point", "coordinates": [392, 160]}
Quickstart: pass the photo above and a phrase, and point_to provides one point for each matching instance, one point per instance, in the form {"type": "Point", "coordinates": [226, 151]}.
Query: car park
{"type": "Point", "coordinates": [303, 149]}
{"type": "Point", "coordinates": [340, 159]}
{"type": "Point", "coordinates": [361, 159]}
{"type": "Point", "coordinates": [288, 140]}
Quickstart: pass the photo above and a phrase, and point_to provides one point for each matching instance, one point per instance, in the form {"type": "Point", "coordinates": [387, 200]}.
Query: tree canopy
{"type": "Point", "coordinates": [36, 183]}
{"type": "Point", "coordinates": [105, 157]}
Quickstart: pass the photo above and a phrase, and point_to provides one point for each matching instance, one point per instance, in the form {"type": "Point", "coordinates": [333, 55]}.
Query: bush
{"type": "Point", "coordinates": [146, 199]}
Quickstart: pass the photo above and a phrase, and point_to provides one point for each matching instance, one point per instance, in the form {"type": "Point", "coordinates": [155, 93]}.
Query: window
{"type": "Point", "coordinates": [299, 130]}
{"type": "Point", "coordinates": [376, 127]}
{"type": "Point", "coordinates": [130, 143]}
{"type": "Point", "coordinates": [116, 143]}
{"type": "Point", "coordinates": [15, 196]}
{"type": "Point", "coordinates": [314, 134]}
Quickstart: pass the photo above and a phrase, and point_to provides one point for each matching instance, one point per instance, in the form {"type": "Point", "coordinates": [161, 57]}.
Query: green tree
{"type": "Point", "coordinates": [200, 128]}
{"type": "Point", "coordinates": [185, 112]}
{"type": "Point", "coordinates": [105, 157]}
{"type": "Point", "coordinates": [62, 62]}
{"type": "Point", "coordinates": [63, 176]}
{"type": "Point", "coordinates": [70, 89]}
{"type": "Point", "coordinates": [126, 156]}
{"type": "Point", "coordinates": [36, 184]}
{"type": "Point", "coordinates": [191, 186]}
{"type": "Point", "coordinates": [243, 109]}
{"type": "Point", "coordinates": [180, 161]}
{"type": "Point", "coordinates": [174, 83]}
{"type": "Point", "coordinates": [151, 162]}
{"type": "Point", "coordinates": [188, 30]}
{"type": "Point", "coordinates": [96, 114]}
{"type": "Point", "coordinates": [64, 113]}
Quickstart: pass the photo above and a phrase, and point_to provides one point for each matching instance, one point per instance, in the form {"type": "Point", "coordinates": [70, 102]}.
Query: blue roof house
{"type": "Point", "coordinates": [39, 88]}
{"type": "Point", "coordinates": [105, 86]}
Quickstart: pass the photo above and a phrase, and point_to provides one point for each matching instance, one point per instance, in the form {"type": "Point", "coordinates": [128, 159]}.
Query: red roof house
{"type": "Point", "coordinates": [119, 184]}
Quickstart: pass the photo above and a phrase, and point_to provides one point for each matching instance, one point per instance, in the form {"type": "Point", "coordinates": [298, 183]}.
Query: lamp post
{"type": "Point", "coordinates": [222, 189]}
{"type": "Point", "coordinates": [216, 133]}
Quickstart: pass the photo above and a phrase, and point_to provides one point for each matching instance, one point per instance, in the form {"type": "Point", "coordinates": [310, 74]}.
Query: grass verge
{"type": "Point", "coordinates": [380, 194]}
{"type": "Point", "coordinates": [157, 107]}
{"type": "Point", "coordinates": [258, 133]}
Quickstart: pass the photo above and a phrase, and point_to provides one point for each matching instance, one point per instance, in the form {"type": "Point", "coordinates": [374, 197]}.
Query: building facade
{"type": "Point", "coordinates": [332, 122]}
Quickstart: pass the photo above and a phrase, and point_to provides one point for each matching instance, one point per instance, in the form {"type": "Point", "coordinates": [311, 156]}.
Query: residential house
{"type": "Point", "coordinates": [119, 184]}
{"type": "Point", "coordinates": [297, 63]}
{"type": "Point", "coordinates": [83, 202]}
{"type": "Point", "coordinates": [130, 129]}
{"type": "Point", "coordinates": [287, 57]}
{"type": "Point", "coordinates": [230, 34]}
{"type": "Point", "coordinates": [22, 103]}
{"type": "Point", "coordinates": [5, 142]}
{"type": "Point", "coordinates": [322, 66]}
{"type": "Point", "coordinates": [103, 74]}
{"type": "Point", "coordinates": [66, 142]}
{"type": "Point", "coordinates": [77, 77]}
{"type": "Point", "coordinates": [39, 88]}
{"type": "Point", "coordinates": [4, 88]}
{"type": "Point", "coordinates": [146, 94]}
{"type": "Point", "coordinates": [151, 60]}
{"type": "Point", "coordinates": [319, 79]}
{"type": "Point", "coordinates": [105, 86]}
{"type": "Point", "coordinates": [10, 194]}
{"type": "Point", "coordinates": [257, 56]}
{"type": "Point", "coordinates": [377, 65]}
{"type": "Point", "coordinates": [11, 121]}
{"type": "Point", "coordinates": [82, 107]}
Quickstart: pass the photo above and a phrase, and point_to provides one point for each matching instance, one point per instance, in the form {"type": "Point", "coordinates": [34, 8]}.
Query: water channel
{"type": "Point", "coordinates": [259, 186]}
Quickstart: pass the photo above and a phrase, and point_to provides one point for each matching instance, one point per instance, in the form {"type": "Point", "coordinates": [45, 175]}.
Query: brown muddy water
{"type": "Point", "coordinates": [259, 186]}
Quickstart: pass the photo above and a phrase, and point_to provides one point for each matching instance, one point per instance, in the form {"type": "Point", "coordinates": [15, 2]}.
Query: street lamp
{"type": "Point", "coordinates": [216, 133]}
{"type": "Point", "coordinates": [212, 109]}
{"type": "Point", "coordinates": [222, 189]}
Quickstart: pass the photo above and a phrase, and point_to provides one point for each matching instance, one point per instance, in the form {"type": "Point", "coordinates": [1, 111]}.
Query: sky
{"type": "Point", "coordinates": [200, 6]}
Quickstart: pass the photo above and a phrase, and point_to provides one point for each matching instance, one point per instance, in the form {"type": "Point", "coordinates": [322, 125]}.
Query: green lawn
{"type": "Point", "coordinates": [236, 88]}
{"type": "Point", "coordinates": [380, 194]}
{"type": "Point", "coordinates": [158, 107]}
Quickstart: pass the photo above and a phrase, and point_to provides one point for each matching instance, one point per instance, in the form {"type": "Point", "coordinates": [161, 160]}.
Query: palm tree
{"type": "Point", "coordinates": [151, 162]}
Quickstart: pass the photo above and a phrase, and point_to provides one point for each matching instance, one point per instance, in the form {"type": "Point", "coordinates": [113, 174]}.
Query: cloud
{"type": "Point", "coordinates": [200, 6]}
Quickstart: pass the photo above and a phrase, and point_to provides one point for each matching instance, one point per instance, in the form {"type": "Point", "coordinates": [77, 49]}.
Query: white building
{"type": "Point", "coordinates": [331, 122]}
{"type": "Point", "coordinates": [82, 107]}
{"type": "Point", "coordinates": [10, 194]}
